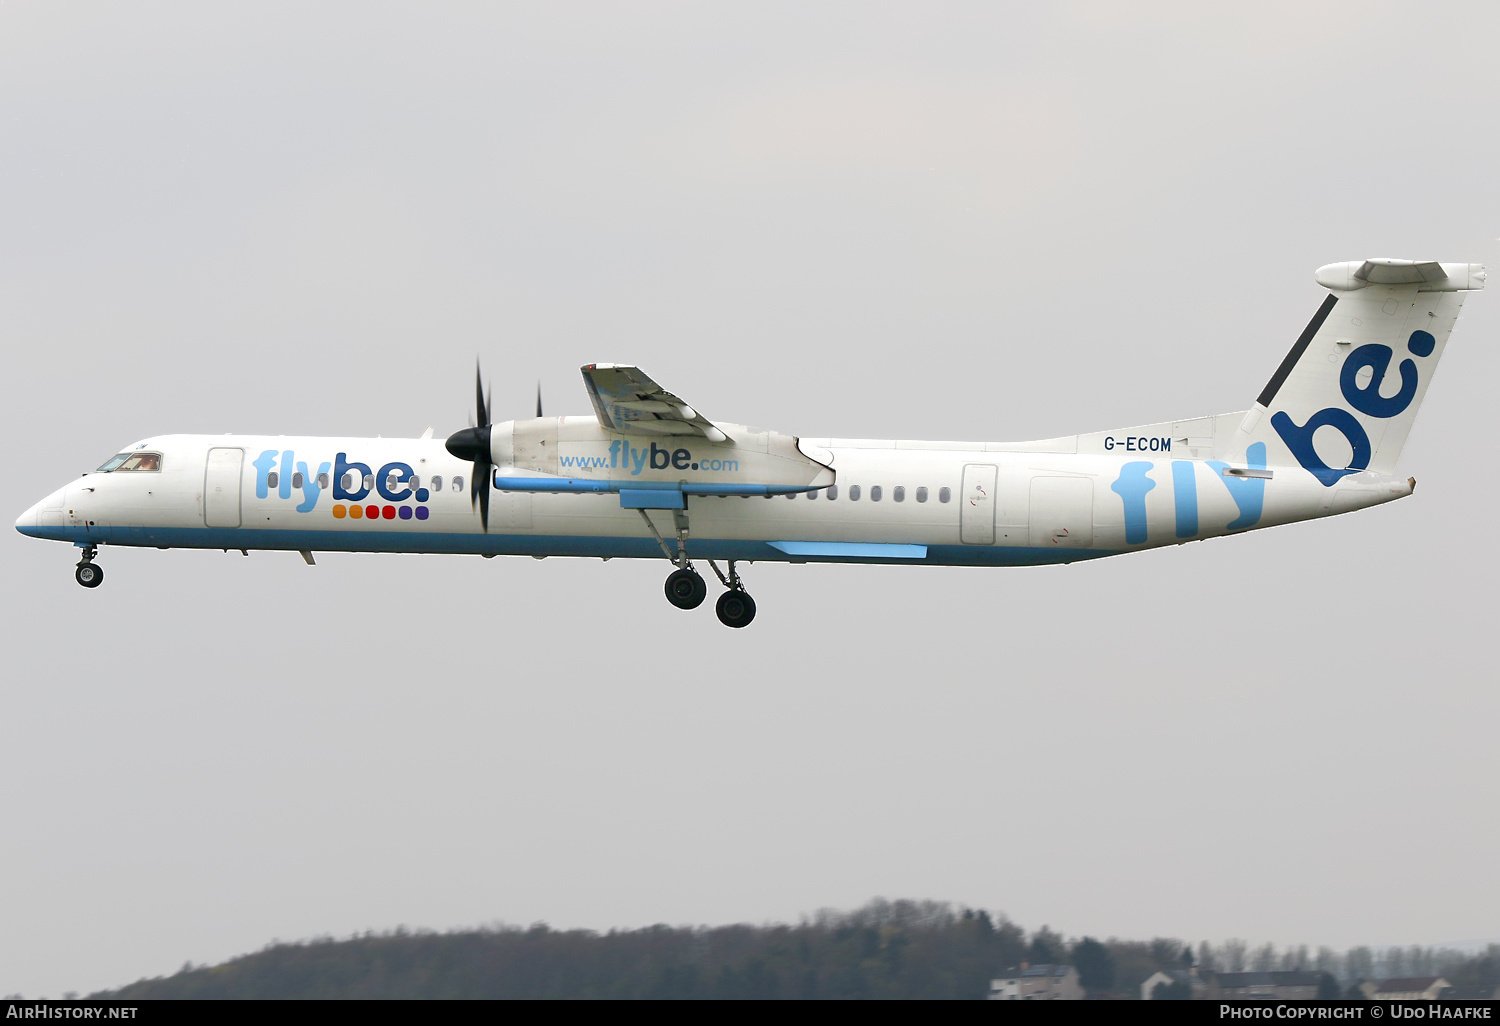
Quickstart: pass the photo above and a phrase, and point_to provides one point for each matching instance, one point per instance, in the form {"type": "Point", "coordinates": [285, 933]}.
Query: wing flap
{"type": "Point", "coordinates": [627, 400]}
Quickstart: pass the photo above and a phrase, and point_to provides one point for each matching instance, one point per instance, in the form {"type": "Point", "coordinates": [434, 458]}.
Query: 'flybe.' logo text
{"type": "Point", "coordinates": [351, 483]}
{"type": "Point", "coordinates": [1248, 493]}
{"type": "Point", "coordinates": [624, 455]}
{"type": "Point", "coordinates": [1366, 399]}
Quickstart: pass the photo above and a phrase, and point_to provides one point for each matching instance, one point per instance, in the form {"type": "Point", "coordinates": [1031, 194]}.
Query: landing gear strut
{"type": "Point", "coordinates": [89, 574]}
{"type": "Point", "coordinates": [735, 607]}
{"type": "Point", "coordinates": [685, 588]}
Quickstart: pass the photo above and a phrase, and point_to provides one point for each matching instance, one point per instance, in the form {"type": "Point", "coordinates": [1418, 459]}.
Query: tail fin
{"type": "Point", "coordinates": [1345, 397]}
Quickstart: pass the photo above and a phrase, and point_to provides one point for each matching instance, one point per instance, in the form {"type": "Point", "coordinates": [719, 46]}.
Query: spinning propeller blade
{"type": "Point", "coordinates": [473, 444]}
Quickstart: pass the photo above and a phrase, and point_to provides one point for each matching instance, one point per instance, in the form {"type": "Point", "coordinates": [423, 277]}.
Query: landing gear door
{"type": "Point", "coordinates": [221, 487]}
{"type": "Point", "coordinates": [976, 514]}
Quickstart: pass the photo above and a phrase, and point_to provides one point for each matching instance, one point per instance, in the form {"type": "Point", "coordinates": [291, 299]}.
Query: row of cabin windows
{"type": "Point", "coordinates": [877, 492]}
{"type": "Point", "coordinates": [352, 481]}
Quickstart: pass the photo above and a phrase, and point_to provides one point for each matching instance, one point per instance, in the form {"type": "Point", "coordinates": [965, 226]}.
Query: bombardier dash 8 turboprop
{"type": "Point", "coordinates": [648, 475]}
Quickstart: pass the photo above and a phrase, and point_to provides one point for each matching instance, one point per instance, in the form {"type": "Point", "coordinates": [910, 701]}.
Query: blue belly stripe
{"type": "Point", "coordinates": [628, 547]}
{"type": "Point", "coordinates": [851, 550]}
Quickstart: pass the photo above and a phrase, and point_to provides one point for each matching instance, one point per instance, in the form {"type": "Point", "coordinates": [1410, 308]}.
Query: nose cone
{"type": "Point", "coordinates": [47, 513]}
{"type": "Point", "coordinates": [26, 522]}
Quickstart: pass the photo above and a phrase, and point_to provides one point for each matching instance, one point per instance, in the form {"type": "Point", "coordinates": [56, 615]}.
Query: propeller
{"type": "Point", "coordinates": [539, 399]}
{"type": "Point", "coordinates": [473, 444]}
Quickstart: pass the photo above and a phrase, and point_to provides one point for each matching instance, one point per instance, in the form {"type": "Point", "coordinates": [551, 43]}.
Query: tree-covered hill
{"type": "Point", "coordinates": [887, 949]}
{"type": "Point", "coordinates": [900, 949]}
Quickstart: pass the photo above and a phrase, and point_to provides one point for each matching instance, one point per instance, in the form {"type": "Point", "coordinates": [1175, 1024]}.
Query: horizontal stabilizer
{"type": "Point", "coordinates": [1427, 275]}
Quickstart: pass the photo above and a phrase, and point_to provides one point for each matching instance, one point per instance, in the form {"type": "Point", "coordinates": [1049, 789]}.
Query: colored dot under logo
{"type": "Point", "coordinates": [378, 512]}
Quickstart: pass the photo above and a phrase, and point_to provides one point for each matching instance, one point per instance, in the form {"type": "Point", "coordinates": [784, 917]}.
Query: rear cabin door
{"type": "Point", "coordinates": [221, 488]}
{"type": "Point", "coordinates": [976, 515]}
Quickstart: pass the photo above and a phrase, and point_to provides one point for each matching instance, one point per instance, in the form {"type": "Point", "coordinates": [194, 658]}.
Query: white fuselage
{"type": "Point", "coordinates": [892, 502]}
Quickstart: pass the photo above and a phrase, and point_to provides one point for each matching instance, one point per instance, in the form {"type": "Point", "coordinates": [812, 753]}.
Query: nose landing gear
{"type": "Point", "coordinates": [89, 574]}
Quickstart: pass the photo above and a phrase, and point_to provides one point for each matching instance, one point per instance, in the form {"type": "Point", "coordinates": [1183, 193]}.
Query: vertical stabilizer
{"type": "Point", "coordinates": [1345, 397]}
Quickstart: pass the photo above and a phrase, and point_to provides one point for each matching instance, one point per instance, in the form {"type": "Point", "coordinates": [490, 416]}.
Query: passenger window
{"type": "Point", "coordinates": [898, 493]}
{"type": "Point", "coordinates": [369, 480]}
{"type": "Point", "coordinates": [273, 479]}
{"type": "Point", "coordinates": [112, 463]}
{"type": "Point", "coordinates": [414, 482]}
{"type": "Point", "coordinates": [833, 491]}
{"type": "Point", "coordinates": [814, 493]}
{"type": "Point", "coordinates": [297, 480]}
{"type": "Point", "coordinates": [458, 483]}
{"type": "Point", "coordinates": [349, 481]}
{"type": "Point", "coordinates": [322, 480]}
{"type": "Point", "coordinates": [854, 493]}
{"type": "Point", "coordinates": [944, 494]}
{"type": "Point", "coordinates": [437, 482]}
{"type": "Point", "coordinates": [791, 495]}
{"type": "Point", "coordinates": [390, 482]}
{"type": "Point", "coordinates": [142, 461]}
{"type": "Point", "coordinates": [874, 493]}
{"type": "Point", "coordinates": [922, 494]}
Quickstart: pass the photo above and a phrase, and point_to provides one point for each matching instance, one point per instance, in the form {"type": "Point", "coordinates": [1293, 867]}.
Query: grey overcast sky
{"type": "Point", "coordinates": [926, 220]}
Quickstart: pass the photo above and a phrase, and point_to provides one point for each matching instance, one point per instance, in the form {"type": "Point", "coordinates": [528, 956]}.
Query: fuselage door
{"type": "Point", "coordinates": [221, 487]}
{"type": "Point", "coordinates": [1062, 512]}
{"type": "Point", "coordinates": [976, 513]}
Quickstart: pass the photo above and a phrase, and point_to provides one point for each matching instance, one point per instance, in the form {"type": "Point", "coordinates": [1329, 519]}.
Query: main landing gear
{"type": "Point", "coordinates": [735, 607]}
{"type": "Point", "coordinates": [89, 574]}
{"type": "Point", "coordinates": [686, 588]}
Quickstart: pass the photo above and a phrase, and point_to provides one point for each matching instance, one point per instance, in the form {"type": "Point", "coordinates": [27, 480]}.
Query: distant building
{"type": "Point", "coordinates": [1271, 986]}
{"type": "Point", "coordinates": [1468, 993]}
{"type": "Point", "coordinates": [1408, 988]}
{"type": "Point", "coordinates": [1037, 983]}
{"type": "Point", "coordinates": [1197, 984]}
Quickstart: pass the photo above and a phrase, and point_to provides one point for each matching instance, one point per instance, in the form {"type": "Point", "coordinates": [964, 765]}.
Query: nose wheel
{"type": "Point", "coordinates": [88, 573]}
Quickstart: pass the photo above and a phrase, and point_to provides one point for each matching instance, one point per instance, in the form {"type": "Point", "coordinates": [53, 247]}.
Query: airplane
{"type": "Point", "coordinates": [647, 475]}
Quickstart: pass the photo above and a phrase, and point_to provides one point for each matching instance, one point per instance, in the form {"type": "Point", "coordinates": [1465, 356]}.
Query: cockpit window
{"type": "Point", "coordinates": [132, 461]}
{"type": "Point", "coordinates": [142, 461]}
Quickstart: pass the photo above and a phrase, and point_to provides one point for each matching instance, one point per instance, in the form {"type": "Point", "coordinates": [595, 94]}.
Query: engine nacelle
{"type": "Point", "coordinates": [579, 448]}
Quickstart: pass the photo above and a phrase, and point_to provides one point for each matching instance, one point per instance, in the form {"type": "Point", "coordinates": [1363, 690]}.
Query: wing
{"type": "Point", "coordinates": [627, 400]}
